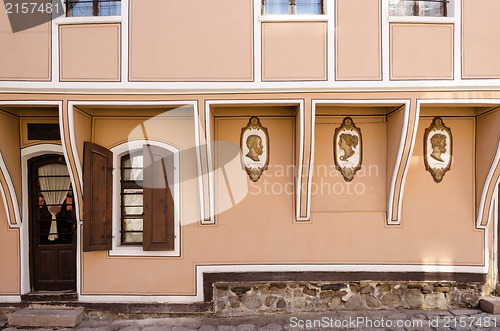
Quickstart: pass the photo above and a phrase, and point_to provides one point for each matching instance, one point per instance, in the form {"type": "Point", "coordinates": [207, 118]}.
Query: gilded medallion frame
{"type": "Point", "coordinates": [348, 138]}
{"type": "Point", "coordinates": [254, 143]}
{"type": "Point", "coordinates": [438, 162]}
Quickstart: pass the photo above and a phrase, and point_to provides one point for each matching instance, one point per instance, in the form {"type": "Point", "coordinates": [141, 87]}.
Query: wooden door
{"type": "Point", "coordinates": [52, 241]}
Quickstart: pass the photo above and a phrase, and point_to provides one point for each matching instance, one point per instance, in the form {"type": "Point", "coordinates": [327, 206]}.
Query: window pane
{"type": "Point", "coordinates": [132, 225]}
{"type": "Point", "coordinates": [110, 8]}
{"type": "Point", "coordinates": [132, 210]}
{"type": "Point", "coordinates": [132, 197]}
{"type": "Point", "coordinates": [430, 8]}
{"type": "Point", "coordinates": [132, 167]}
{"type": "Point", "coordinates": [135, 161]}
{"type": "Point", "coordinates": [276, 7]}
{"type": "Point", "coordinates": [309, 6]}
{"type": "Point", "coordinates": [80, 7]}
{"type": "Point", "coordinates": [436, 8]}
{"type": "Point", "coordinates": [132, 174]}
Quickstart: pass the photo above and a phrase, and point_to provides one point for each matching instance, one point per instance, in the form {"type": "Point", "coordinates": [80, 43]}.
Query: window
{"type": "Point", "coordinates": [292, 7]}
{"type": "Point", "coordinates": [434, 8]}
{"type": "Point", "coordinates": [93, 8]}
{"type": "Point", "coordinates": [132, 199]}
{"type": "Point", "coordinates": [136, 203]}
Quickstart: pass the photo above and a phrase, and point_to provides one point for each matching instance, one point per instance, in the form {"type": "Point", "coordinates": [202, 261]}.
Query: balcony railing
{"type": "Point", "coordinates": [76, 8]}
{"type": "Point", "coordinates": [433, 8]}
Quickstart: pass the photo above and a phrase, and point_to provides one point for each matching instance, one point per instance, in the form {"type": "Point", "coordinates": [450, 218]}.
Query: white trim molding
{"type": "Point", "coordinates": [10, 298]}
{"type": "Point", "coordinates": [202, 269]}
{"type": "Point", "coordinates": [28, 153]}
{"type": "Point", "coordinates": [12, 194]}
{"type": "Point", "coordinates": [490, 182]}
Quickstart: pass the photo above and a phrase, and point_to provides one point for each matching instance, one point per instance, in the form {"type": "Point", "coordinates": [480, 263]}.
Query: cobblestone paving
{"type": "Point", "coordinates": [457, 319]}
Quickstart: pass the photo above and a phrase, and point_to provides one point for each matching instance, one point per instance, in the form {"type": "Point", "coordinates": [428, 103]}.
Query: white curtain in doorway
{"type": "Point", "coordinates": [54, 181]}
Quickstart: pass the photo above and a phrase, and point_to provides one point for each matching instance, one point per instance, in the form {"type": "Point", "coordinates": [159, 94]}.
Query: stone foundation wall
{"type": "Point", "coordinates": [234, 299]}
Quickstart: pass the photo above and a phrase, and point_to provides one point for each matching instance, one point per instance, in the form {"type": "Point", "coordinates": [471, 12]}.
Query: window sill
{"type": "Point", "coordinates": [420, 19]}
{"type": "Point", "coordinates": [137, 251]}
{"type": "Point", "coordinates": [88, 19]}
{"type": "Point", "coordinates": [293, 18]}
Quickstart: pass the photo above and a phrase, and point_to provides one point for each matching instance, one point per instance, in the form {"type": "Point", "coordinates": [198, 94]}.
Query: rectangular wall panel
{"type": "Point", "coordinates": [294, 51]}
{"type": "Point", "coordinates": [191, 40]}
{"type": "Point", "coordinates": [358, 41]}
{"type": "Point", "coordinates": [421, 51]}
{"type": "Point", "coordinates": [24, 55]}
{"type": "Point", "coordinates": [480, 41]}
{"type": "Point", "coordinates": [90, 52]}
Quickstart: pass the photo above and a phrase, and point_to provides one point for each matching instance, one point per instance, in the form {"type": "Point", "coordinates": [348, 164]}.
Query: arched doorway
{"type": "Point", "coordinates": [52, 225]}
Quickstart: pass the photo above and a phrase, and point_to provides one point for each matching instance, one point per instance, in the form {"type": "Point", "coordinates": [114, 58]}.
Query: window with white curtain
{"type": "Point", "coordinates": [433, 8]}
{"type": "Point", "coordinates": [292, 7]}
{"type": "Point", "coordinates": [77, 8]}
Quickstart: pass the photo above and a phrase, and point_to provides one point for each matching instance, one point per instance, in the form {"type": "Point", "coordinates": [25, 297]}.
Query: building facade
{"type": "Point", "coordinates": [151, 150]}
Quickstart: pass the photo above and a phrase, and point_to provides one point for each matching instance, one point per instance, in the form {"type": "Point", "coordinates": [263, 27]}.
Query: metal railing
{"type": "Point", "coordinates": [291, 7]}
{"type": "Point", "coordinates": [93, 8]}
{"type": "Point", "coordinates": [435, 8]}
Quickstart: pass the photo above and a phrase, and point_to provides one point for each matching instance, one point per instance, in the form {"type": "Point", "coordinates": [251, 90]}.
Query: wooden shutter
{"type": "Point", "coordinates": [158, 200]}
{"type": "Point", "coordinates": [97, 197]}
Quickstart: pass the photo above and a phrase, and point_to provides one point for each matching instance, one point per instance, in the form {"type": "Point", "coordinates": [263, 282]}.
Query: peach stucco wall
{"type": "Point", "coordinates": [294, 51]}
{"type": "Point", "coordinates": [488, 138]}
{"type": "Point", "coordinates": [395, 123]}
{"type": "Point", "coordinates": [440, 217]}
{"type": "Point", "coordinates": [10, 148]}
{"type": "Point", "coordinates": [9, 259]}
{"type": "Point", "coordinates": [367, 191]}
{"type": "Point", "coordinates": [263, 221]}
{"type": "Point", "coordinates": [358, 49]}
{"type": "Point", "coordinates": [191, 40]}
{"type": "Point", "coordinates": [480, 42]}
{"type": "Point", "coordinates": [24, 55]}
{"type": "Point", "coordinates": [83, 130]}
{"type": "Point", "coordinates": [421, 51]}
{"type": "Point", "coordinates": [90, 52]}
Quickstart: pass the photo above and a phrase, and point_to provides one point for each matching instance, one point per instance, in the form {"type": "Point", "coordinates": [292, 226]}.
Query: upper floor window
{"type": "Point", "coordinates": [93, 7]}
{"type": "Point", "coordinates": [433, 8]}
{"type": "Point", "coordinates": [292, 7]}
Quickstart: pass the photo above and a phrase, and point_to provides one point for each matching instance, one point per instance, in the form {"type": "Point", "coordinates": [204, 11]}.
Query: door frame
{"type": "Point", "coordinates": [28, 153]}
{"type": "Point", "coordinates": [33, 164]}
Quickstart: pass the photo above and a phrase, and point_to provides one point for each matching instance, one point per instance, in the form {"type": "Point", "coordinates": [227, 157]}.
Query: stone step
{"type": "Point", "coordinates": [63, 318]}
{"type": "Point", "coordinates": [490, 305]}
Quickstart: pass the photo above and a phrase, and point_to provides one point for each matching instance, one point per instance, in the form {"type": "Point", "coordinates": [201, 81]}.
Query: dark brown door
{"type": "Point", "coordinates": [52, 225]}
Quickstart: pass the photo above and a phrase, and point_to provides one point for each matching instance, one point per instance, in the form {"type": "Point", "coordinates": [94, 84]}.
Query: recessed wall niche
{"type": "Point", "coordinates": [366, 191]}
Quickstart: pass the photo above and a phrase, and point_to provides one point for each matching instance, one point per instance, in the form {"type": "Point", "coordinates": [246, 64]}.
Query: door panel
{"type": "Point", "coordinates": [52, 240]}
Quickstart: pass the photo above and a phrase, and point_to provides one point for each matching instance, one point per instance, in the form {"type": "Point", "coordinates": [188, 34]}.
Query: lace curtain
{"type": "Point", "coordinates": [54, 178]}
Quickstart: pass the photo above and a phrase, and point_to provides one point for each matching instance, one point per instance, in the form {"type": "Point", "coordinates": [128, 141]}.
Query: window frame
{"type": "Point", "coordinates": [119, 249]}
{"type": "Point", "coordinates": [292, 9]}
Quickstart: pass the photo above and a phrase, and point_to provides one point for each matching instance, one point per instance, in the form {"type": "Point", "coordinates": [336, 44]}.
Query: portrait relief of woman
{"type": "Point", "coordinates": [347, 149]}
